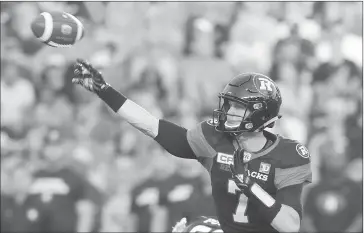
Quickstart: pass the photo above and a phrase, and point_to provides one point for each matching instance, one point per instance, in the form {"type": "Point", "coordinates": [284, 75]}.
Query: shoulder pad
{"type": "Point", "coordinates": [211, 135]}
{"type": "Point", "coordinates": [290, 153]}
{"type": "Point", "coordinates": [201, 140]}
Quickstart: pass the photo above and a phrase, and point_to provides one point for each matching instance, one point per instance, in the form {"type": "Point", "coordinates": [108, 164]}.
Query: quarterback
{"type": "Point", "coordinates": [257, 177]}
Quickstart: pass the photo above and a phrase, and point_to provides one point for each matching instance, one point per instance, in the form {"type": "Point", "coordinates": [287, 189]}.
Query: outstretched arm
{"type": "Point", "coordinates": [170, 136]}
{"type": "Point", "coordinates": [137, 116]}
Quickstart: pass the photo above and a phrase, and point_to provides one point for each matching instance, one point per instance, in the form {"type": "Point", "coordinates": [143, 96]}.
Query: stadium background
{"type": "Point", "coordinates": [173, 59]}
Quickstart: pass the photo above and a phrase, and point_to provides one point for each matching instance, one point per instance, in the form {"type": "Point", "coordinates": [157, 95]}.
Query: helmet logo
{"type": "Point", "coordinates": [265, 85]}
{"type": "Point", "coordinates": [257, 106]}
{"type": "Point", "coordinates": [249, 125]}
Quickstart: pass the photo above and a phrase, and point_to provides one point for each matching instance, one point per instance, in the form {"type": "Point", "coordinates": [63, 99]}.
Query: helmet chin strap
{"type": "Point", "coordinates": [267, 123]}
{"type": "Point", "coordinates": [259, 129]}
{"type": "Point", "coordinates": [240, 152]}
{"type": "Point", "coordinates": [239, 149]}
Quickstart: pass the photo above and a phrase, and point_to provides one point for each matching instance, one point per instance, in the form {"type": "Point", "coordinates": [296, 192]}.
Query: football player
{"type": "Point", "coordinates": [257, 177]}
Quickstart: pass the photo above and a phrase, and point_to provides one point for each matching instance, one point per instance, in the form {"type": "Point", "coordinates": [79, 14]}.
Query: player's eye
{"type": "Point", "coordinates": [237, 105]}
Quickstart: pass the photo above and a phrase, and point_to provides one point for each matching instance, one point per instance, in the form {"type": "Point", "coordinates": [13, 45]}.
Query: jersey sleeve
{"type": "Point", "coordinates": [294, 167]}
{"type": "Point", "coordinates": [199, 140]}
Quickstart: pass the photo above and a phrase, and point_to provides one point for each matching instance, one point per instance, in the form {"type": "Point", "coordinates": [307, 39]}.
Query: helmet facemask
{"type": "Point", "coordinates": [233, 122]}
{"type": "Point", "coordinates": [246, 121]}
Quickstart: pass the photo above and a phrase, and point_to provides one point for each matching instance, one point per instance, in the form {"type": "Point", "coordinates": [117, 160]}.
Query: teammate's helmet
{"type": "Point", "coordinates": [204, 225]}
{"type": "Point", "coordinates": [258, 94]}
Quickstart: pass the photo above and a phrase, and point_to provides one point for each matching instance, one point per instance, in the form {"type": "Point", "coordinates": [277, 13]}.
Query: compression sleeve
{"type": "Point", "coordinates": [173, 138]}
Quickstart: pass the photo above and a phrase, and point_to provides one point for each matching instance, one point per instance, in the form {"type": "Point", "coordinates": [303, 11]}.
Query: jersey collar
{"type": "Point", "coordinates": [270, 136]}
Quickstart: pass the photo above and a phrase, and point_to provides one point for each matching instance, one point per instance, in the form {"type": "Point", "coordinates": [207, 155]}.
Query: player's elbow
{"type": "Point", "coordinates": [293, 226]}
{"type": "Point", "coordinates": [294, 222]}
{"type": "Point", "coordinates": [287, 220]}
{"type": "Point", "coordinates": [290, 225]}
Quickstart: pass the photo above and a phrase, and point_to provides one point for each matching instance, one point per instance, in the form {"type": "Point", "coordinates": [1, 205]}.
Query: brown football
{"type": "Point", "coordinates": [57, 29]}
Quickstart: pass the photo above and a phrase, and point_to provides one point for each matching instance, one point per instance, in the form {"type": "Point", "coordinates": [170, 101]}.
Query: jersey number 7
{"type": "Point", "coordinates": [240, 211]}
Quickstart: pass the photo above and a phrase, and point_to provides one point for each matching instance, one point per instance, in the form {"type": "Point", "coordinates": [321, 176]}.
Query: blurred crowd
{"type": "Point", "coordinates": [173, 58]}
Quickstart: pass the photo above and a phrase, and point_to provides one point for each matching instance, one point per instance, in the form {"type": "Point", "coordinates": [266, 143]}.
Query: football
{"type": "Point", "coordinates": [57, 29]}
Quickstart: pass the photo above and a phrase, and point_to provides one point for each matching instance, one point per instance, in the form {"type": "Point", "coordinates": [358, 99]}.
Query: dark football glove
{"type": "Point", "coordinates": [239, 172]}
{"type": "Point", "coordinates": [88, 77]}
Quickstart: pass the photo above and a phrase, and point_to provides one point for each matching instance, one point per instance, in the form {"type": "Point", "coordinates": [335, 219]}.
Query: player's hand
{"type": "Point", "coordinates": [239, 172]}
{"type": "Point", "coordinates": [88, 77]}
{"type": "Point", "coordinates": [180, 226]}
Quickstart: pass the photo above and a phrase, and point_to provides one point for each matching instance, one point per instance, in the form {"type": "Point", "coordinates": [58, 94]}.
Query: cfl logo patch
{"type": "Point", "coordinates": [225, 158]}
